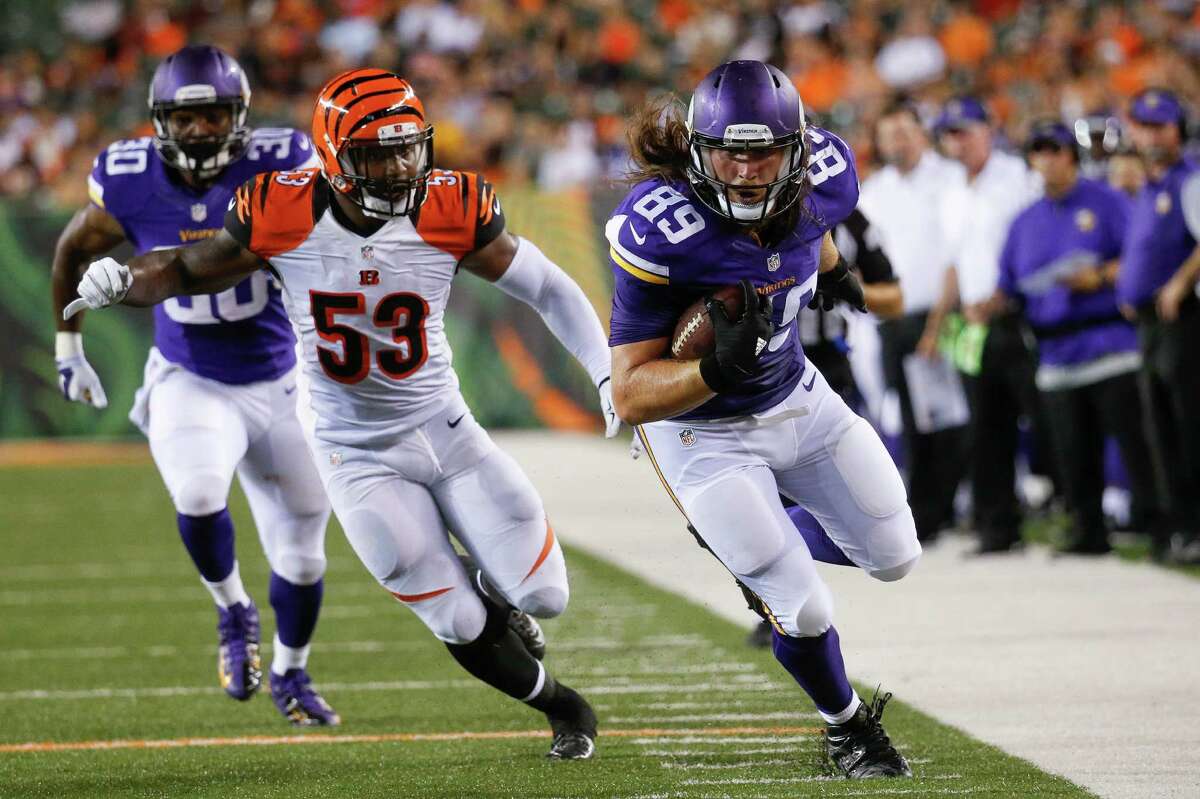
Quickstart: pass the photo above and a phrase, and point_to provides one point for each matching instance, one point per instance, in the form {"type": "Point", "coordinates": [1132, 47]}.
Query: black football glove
{"type": "Point", "coordinates": [739, 342]}
{"type": "Point", "coordinates": [839, 283]}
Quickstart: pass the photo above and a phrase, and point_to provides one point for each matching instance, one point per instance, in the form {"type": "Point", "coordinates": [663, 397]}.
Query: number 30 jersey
{"type": "Point", "coordinates": [240, 335]}
{"type": "Point", "coordinates": [667, 249]}
{"type": "Point", "coordinates": [370, 311]}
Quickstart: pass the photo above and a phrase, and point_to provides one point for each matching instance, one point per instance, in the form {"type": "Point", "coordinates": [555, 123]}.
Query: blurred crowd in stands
{"type": "Point", "coordinates": [536, 90]}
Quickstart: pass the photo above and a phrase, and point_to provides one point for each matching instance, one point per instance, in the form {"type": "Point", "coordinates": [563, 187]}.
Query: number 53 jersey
{"type": "Point", "coordinates": [237, 336]}
{"type": "Point", "coordinates": [370, 311]}
{"type": "Point", "coordinates": [667, 249]}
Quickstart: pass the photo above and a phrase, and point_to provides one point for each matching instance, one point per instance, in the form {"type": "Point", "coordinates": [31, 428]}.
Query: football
{"type": "Point", "coordinates": [694, 336]}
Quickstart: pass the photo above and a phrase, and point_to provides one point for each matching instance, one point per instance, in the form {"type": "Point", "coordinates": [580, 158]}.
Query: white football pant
{"type": "Point", "coordinates": [726, 476]}
{"type": "Point", "coordinates": [201, 431]}
{"type": "Point", "coordinates": [398, 500]}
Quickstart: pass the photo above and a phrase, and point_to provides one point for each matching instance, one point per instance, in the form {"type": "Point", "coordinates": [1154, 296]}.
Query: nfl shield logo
{"type": "Point", "coordinates": [367, 251]}
{"type": "Point", "coordinates": [199, 212]}
{"type": "Point", "coordinates": [687, 437]}
{"type": "Point", "coordinates": [773, 262]}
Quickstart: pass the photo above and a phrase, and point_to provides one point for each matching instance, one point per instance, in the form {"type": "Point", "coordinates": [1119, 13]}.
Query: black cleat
{"type": "Point", "coordinates": [860, 748]}
{"type": "Point", "coordinates": [760, 636]}
{"type": "Point", "coordinates": [574, 730]}
{"type": "Point", "coordinates": [529, 631]}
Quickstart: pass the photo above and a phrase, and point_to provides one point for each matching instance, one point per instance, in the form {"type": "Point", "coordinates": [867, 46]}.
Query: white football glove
{"type": "Point", "coordinates": [106, 282]}
{"type": "Point", "coordinates": [612, 422]}
{"type": "Point", "coordinates": [635, 446]}
{"type": "Point", "coordinates": [76, 377]}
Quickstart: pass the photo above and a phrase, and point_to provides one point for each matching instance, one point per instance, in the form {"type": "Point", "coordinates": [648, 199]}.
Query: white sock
{"type": "Point", "coordinates": [229, 591]}
{"type": "Point", "coordinates": [287, 657]}
{"type": "Point", "coordinates": [845, 715]}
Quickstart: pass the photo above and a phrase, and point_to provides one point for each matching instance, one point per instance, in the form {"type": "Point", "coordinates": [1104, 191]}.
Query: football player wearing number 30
{"type": "Point", "coordinates": [366, 248]}
{"type": "Point", "coordinates": [743, 191]}
{"type": "Point", "coordinates": [218, 395]}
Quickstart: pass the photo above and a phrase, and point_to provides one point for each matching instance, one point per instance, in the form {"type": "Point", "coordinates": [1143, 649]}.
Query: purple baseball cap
{"type": "Point", "coordinates": [1156, 107]}
{"type": "Point", "coordinates": [1050, 131]}
{"type": "Point", "coordinates": [959, 113]}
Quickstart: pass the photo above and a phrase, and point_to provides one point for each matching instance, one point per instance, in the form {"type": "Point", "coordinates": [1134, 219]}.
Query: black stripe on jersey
{"type": "Point", "coordinates": [320, 198]}
{"type": "Point", "coordinates": [384, 113]}
{"type": "Point", "coordinates": [465, 188]}
{"type": "Point", "coordinates": [262, 196]}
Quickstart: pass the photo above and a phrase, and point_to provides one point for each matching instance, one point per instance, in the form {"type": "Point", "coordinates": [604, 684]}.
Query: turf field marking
{"type": "Point", "coordinates": [355, 647]}
{"type": "Point", "coordinates": [713, 704]}
{"type": "Point", "coordinates": [398, 737]}
{"type": "Point", "coordinates": [778, 715]}
{"type": "Point", "coordinates": [786, 746]}
{"type": "Point", "coordinates": [393, 685]}
{"type": "Point", "coordinates": [777, 738]}
{"type": "Point", "coordinates": [722, 766]}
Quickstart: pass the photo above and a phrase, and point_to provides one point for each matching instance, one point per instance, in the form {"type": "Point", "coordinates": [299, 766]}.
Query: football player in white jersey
{"type": "Point", "coordinates": [365, 249]}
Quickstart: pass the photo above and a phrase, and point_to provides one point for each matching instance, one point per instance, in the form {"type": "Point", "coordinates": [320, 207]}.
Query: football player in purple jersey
{"type": "Point", "coordinates": [742, 191]}
{"type": "Point", "coordinates": [218, 396]}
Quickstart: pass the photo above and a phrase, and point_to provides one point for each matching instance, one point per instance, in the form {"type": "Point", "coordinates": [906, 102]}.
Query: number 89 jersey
{"type": "Point", "coordinates": [369, 310]}
{"type": "Point", "coordinates": [667, 248]}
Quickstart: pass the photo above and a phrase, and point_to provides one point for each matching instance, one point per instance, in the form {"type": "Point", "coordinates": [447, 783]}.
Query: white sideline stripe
{"type": "Point", "coordinates": [775, 715]}
{"type": "Point", "coordinates": [392, 685]}
{"type": "Point", "coordinates": [175, 594]}
{"type": "Point", "coordinates": [760, 750]}
{"type": "Point", "coordinates": [658, 740]}
{"type": "Point", "coordinates": [715, 705]}
{"type": "Point", "coordinates": [721, 766]}
{"type": "Point", "coordinates": [823, 778]}
{"type": "Point", "coordinates": [358, 647]}
{"type": "Point", "coordinates": [108, 570]}
{"type": "Point", "coordinates": [671, 688]}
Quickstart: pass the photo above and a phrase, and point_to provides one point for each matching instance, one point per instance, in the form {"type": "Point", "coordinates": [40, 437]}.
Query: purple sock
{"type": "Point", "coordinates": [820, 545]}
{"type": "Point", "coordinates": [209, 540]}
{"type": "Point", "coordinates": [816, 663]}
{"type": "Point", "coordinates": [296, 609]}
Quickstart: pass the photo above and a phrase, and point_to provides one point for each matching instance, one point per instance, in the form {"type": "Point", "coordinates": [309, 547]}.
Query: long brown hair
{"type": "Point", "coordinates": [658, 140]}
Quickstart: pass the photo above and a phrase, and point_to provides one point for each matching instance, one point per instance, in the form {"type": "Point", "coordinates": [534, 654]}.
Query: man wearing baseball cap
{"type": "Point", "coordinates": [1160, 264]}
{"type": "Point", "coordinates": [1058, 265]}
{"type": "Point", "coordinates": [993, 355]}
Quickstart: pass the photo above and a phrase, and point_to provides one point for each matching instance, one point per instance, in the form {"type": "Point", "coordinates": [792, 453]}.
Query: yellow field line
{"type": "Point", "coordinates": [398, 737]}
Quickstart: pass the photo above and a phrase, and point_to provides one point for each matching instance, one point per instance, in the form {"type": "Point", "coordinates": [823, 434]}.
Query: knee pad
{"type": "Point", "coordinates": [298, 568]}
{"type": "Point", "coordinates": [894, 573]}
{"type": "Point", "coordinates": [869, 472]}
{"type": "Point", "coordinates": [544, 603]}
{"type": "Point", "coordinates": [815, 616]}
{"type": "Point", "coordinates": [201, 494]}
{"type": "Point", "coordinates": [456, 617]}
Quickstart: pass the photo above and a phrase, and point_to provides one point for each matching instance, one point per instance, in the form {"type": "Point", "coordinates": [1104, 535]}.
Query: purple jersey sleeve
{"type": "Point", "coordinates": [833, 177]}
{"type": "Point", "coordinates": [279, 150]}
{"type": "Point", "coordinates": [117, 180]}
{"type": "Point", "coordinates": [1116, 222]}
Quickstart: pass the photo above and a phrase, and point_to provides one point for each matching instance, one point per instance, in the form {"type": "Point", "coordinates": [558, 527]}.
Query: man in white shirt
{"type": "Point", "coordinates": [995, 352]}
{"type": "Point", "coordinates": [903, 201]}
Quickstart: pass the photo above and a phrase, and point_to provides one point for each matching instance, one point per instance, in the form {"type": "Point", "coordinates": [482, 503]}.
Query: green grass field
{"type": "Point", "coordinates": [108, 636]}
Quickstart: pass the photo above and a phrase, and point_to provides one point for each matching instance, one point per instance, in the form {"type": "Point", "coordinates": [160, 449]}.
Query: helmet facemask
{"type": "Point", "coordinates": [389, 176]}
{"type": "Point", "coordinates": [774, 196]}
{"type": "Point", "coordinates": [201, 158]}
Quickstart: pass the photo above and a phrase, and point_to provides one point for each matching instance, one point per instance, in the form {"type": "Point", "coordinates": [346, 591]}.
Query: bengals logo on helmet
{"type": "Point", "coordinates": [375, 146]}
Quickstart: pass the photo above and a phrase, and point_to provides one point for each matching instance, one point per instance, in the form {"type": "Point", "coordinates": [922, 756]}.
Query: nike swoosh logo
{"type": "Point", "coordinates": [291, 390]}
{"type": "Point", "coordinates": [812, 379]}
{"type": "Point", "coordinates": [456, 421]}
{"type": "Point", "coordinates": [636, 237]}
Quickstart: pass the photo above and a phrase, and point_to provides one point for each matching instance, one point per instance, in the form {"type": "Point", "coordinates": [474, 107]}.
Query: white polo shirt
{"type": "Point", "coordinates": [905, 210]}
{"type": "Point", "coordinates": [976, 215]}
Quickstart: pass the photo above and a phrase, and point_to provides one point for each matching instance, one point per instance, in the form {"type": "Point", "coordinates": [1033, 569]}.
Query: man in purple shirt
{"type": "Point", "coordinates": [219, 390]}
{"type": "Point", "coordinates": [1059, 264]}
{"type": "Point", "coordinates": [1156, 285]}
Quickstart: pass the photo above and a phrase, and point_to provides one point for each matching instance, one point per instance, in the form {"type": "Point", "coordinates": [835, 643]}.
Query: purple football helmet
{"type": "Point", "coordinates": [200, 75]}
{"type": "Point", "coordinates": [746, 106]}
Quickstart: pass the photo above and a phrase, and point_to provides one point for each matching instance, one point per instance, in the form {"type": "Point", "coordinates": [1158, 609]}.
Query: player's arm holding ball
{"type": "Point", "coordinates": [648, 387]}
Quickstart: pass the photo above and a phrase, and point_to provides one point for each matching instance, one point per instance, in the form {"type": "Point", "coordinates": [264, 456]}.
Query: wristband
{"type": "Point", "coordinates": [710, 373]}
{"type": "Point", "coordinates": [67, 344]}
